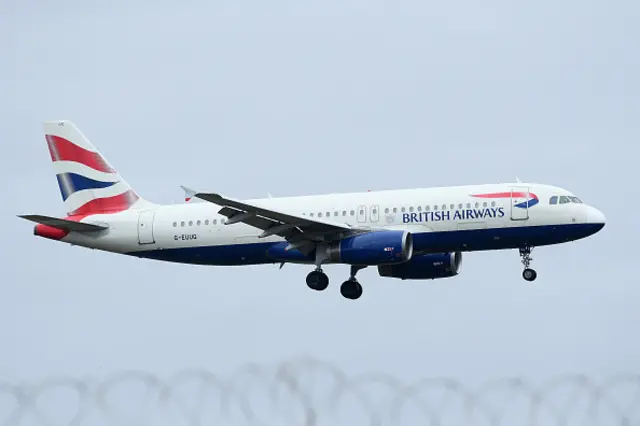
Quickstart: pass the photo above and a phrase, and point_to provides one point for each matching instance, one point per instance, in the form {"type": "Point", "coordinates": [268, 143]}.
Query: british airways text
{"type": "Point", "coordinates": [453, 215]}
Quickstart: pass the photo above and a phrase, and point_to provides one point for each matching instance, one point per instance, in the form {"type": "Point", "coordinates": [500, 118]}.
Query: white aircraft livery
{"type": "Point", "coordinates": [406, 234]}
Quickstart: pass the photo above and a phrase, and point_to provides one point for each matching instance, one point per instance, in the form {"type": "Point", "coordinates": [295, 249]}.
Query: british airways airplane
{"type": "Point", "coordinates": [407, 233]}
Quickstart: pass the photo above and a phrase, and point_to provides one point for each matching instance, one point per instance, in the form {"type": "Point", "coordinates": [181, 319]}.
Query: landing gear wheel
{"type": "Point", "coordinates": [351, 289]}
{"type": "Point", "coordinates": [317, 280]}
{"type": "Point", "coordinates": [529, 274]}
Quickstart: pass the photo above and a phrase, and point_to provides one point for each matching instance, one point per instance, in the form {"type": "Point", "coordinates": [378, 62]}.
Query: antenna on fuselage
{"type": "Point", "coordinates": [518, 180]}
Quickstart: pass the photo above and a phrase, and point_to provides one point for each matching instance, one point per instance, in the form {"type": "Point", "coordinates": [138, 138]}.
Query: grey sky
{"type": "Point", "coordinates": [295, 98]}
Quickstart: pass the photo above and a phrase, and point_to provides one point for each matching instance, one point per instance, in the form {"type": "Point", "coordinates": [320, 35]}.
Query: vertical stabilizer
{"type": "Point", "coordinates": [88, 183]}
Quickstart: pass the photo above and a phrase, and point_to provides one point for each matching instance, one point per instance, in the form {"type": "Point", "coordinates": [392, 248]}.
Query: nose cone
{"type": "Point", "coordinates": [596, 217]}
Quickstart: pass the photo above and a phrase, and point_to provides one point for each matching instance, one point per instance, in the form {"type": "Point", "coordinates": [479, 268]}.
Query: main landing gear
{"type": "Point", "coordinates": [528, 273]}
{"type": "Point", "coordinates": [317, 280]}
{"type": "Point", "coordinates": [350, 289]}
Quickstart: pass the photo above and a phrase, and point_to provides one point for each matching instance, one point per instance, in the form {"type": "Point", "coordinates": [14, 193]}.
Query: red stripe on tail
{"type": "Point", "coordinates": [63, 150]}
{"type": "Point", "coordinates": [114, 204]}
{"type": "Point", "coordinates": [46, 231]}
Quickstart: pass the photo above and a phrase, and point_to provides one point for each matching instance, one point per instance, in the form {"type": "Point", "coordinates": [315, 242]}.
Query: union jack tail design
{"type": "Point", "coordinates": [88, 183]}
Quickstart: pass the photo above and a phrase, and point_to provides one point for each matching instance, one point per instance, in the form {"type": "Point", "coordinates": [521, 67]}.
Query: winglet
{"type": "Point", "coordinates": [188, 193]}
{"type": "Point", "coordinates": [211, 197]}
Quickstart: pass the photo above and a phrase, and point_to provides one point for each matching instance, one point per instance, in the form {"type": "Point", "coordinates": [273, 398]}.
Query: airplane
{"type": "Point", "coordinates": [415, 234]}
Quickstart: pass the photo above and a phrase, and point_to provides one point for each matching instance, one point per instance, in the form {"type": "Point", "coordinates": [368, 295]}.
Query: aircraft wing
{"type": "Point", "coordinates": [273, 222]}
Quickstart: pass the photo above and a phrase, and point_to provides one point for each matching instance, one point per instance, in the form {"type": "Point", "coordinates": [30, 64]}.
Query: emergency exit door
{"type": "Point", "coordinates": [362, 214]}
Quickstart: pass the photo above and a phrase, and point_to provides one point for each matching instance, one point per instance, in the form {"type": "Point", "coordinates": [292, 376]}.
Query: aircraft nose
{"type": "Point", "coordinates": [596, 217]}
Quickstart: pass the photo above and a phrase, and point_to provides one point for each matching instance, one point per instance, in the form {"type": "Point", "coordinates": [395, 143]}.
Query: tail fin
{"type": "Point", "coordinates": [88, 183]}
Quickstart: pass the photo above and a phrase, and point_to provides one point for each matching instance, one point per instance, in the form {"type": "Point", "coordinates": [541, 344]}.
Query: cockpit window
{"type": "Point", "coordinates": [564, 199]}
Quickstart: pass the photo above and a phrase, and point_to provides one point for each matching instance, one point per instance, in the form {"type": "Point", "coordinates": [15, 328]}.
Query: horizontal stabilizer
{"type": "Point", "coordinates": [63, 224]}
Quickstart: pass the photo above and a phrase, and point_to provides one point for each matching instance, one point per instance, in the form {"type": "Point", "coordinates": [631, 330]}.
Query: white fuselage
{"type": "Point", "coordinates": [440, 220]}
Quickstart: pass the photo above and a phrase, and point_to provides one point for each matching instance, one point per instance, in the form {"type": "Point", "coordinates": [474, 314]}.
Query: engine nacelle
{"type": "Point", "coordinates": [424, 266]}
{"type": "Point", "coordinates": [373, 248]}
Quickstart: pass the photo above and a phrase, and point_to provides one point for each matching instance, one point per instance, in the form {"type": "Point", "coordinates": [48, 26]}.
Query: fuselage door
{"type": "Point", "coordinates": [362, 213]}
{"type": "Point", "coordinates": [520, 198]}
{"type": "Point", "coordinates": [374, 213]}
{"type": "Point", "coordinates": [145, 227]}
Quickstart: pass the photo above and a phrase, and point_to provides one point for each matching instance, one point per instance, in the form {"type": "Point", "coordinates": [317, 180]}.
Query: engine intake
{"type": "Point", "coordinates": [373, 248]}
{"type": "Point", "coordinates": [424, 266]}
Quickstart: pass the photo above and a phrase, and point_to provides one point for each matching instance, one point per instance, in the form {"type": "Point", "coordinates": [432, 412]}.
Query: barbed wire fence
{"type": "Point", "coordinates": [305, 391]}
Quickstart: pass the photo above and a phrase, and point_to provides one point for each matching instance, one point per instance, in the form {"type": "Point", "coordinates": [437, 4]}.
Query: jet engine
{"type": "Point", "coordinates": [424, 266]}
{"type": "Point", "coordinates": [373, 248]}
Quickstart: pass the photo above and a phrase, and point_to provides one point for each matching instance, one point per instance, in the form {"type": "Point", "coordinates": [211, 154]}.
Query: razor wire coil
{"type": "Point", "coordinates": [306, 391]}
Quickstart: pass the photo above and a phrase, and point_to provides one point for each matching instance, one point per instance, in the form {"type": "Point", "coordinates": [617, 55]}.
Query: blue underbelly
{"type": "Point", "coordinates": [429, 242]}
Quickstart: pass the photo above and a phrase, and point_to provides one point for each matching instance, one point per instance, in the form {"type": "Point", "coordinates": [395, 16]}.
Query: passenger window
{"type": "Point", "coordinates": [553, 200]}
{"type": "Point", "coordinates": [206, 222]}
{"type": "Point", "coordinates": [564, 200]}
{"type": "Point", "coordinates": [181, 223]}
{"type": "Point", "coordinates": [214, 221]}
{"type": "Point", "coordinates": [175, 224]}
{"type": "Point", "coordinates": [198, 223]}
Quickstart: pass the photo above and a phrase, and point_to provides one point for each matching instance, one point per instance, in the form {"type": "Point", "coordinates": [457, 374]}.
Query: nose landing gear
{"type": "Point", "coordinates": [528, 274]}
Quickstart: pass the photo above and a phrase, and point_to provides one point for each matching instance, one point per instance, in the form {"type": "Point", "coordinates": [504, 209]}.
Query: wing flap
{"type": "Point", "coordinates": [63, 224]}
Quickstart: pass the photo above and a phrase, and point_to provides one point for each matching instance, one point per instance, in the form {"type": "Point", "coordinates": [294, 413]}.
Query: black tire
{"type": "Point", "coordinates": [351, 290]}
{"type": "Point", "coordinates": [317, 280]}
{"type": "Point", "coordinates": [529, 274]}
